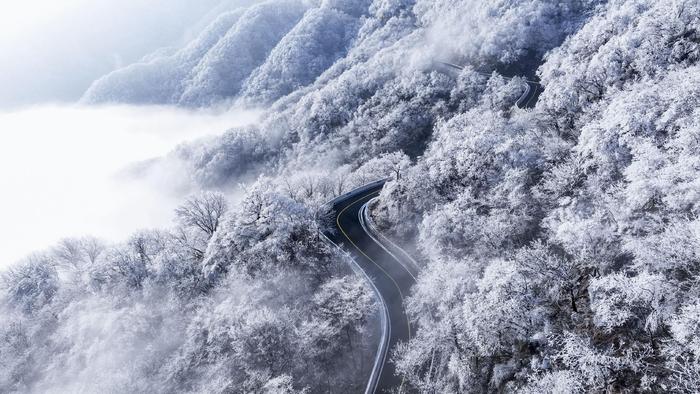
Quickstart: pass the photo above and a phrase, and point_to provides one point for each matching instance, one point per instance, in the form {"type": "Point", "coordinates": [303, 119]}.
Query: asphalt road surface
{"type": "Point", "coordinates": [389, 269]}
{"type": "Point", "coordinates": [389, 276]}
{"type": "Point", "coordinates": [527, 100]}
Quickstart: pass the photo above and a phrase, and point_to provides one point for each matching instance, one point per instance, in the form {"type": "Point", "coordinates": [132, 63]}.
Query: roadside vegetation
{"type": "Point", "coordinates": [560, 244]}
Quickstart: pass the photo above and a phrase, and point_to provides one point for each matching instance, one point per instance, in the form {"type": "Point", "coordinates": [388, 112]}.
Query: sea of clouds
{"type": "Point", "coordinates": [65, 170]}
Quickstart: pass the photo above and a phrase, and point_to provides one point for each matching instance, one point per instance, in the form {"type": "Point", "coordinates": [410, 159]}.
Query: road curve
{"type": "Point", "coordinates": [527, 100]}
{"type": "Point", "coordinates": [389, 269]}
{"type": "Point", "coordinates": [390, 278]}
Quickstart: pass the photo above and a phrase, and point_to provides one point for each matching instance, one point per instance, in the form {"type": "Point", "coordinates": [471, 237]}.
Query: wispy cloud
{"type": "Point", "coordinates": [58, 167]}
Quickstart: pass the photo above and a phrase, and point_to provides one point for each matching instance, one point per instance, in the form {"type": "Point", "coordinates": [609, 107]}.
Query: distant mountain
{"type": "Point", "coordinates": [559, 245]}
{"type": "Point", "coordinates": [262, 53]}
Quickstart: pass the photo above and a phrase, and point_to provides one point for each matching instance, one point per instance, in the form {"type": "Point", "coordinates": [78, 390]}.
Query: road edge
{"type": "Point", "coordinates": [383, 346]}
{"type": "Point", "coordinates": [373, 234]}
{"type": "Point", "coordinates": [373, 231]}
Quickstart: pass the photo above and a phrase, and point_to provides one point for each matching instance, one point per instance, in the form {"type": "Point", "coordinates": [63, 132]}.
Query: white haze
{"type": "Point", "coordinates": [61, 169]}
{"type": "Point", "coordinates": [52, 50]}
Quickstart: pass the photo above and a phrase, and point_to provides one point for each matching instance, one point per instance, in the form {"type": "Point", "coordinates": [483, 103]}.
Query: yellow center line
{"type": "Point", "coordinates": [337, 220]}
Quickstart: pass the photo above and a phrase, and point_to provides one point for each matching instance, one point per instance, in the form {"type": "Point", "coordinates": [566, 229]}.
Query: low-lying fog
{"type": "Point", "coordinates": [61, 169]}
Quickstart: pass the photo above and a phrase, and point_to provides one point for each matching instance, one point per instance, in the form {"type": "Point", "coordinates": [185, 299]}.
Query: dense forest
{"type": "Point", "coordinates": [560, 244]}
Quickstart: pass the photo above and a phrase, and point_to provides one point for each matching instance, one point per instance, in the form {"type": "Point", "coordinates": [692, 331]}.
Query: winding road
{"type": "Point", "coordinates": [391, 279]}
{"type": "Point", "coordinates": [388, 269]}
{"type": "Point", "coordinates": [527, 100]}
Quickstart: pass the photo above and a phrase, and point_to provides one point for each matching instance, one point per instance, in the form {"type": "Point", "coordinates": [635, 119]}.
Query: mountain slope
{"type": "Point", "coordinates": [558, 244]}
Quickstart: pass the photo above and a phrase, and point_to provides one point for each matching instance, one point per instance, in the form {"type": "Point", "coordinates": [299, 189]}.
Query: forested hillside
{"type": "Point", "coordinates": [560, 245]}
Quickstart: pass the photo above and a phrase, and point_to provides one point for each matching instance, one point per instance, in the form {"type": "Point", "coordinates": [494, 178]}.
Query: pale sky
{"type": "Point", "coordinates": [52, 49]}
